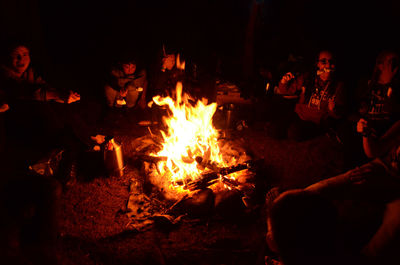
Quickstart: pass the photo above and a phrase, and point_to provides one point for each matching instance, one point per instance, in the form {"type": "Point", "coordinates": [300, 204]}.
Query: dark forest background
{"type": "Point", "coordinates": [74, 42]}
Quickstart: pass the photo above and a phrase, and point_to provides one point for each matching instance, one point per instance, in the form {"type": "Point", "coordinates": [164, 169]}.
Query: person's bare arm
{"type": "Point", "coordinates": [374, 147]}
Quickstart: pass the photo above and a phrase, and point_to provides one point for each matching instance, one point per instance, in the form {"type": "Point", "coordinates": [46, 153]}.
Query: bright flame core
{"type": "Point", "coordinates": [190, 135]}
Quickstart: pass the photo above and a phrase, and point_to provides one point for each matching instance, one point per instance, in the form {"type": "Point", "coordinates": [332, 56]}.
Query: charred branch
{"type": "Point", "coordinates": [210, 178]}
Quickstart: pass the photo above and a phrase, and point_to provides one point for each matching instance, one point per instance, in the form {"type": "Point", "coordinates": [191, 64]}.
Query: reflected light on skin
{"type": "Point", "coordinates": [20, 59]}
{"type": "Point", "coordinates": [129, 68]}
{"type": "Point", "coordinates": [325, 65]}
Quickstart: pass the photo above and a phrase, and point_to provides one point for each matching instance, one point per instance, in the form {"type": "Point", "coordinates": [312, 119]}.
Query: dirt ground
{"type": "Point", "coordinates": [93, 226]}
{"type": "Point", "coordinates": [94, 229]}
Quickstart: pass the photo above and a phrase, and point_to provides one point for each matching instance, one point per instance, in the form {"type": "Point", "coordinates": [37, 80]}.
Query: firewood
{"type": "Point", "coordinates": [151, 159]}
{"type": "Point", "coordinates": [210, 178]}
{"type": "Point", "coordinates": [230, 182]}
{"type": "Point", "coordinates": [176, 203]}
{"type": "Point", "coordinates": [203, 164]}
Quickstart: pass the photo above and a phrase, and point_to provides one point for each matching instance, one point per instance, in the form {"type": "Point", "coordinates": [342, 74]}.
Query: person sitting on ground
{"type": "Point", "coordinates": [376, 183]}
{"type": "Point", "coordinates": [127, 85]}
{"type": "Point", "coordinates": [36, 121]}
{"type": "Point", "coordinates": [166, 75]}
{"type": "Point", "coordinates": [20, 81]}
{"type": "Point", "coordinates": [378, 98]}
{"type": "Point", "coordinates": [322, 99]}
{"type": "Point", "coordinates": [275, 107]}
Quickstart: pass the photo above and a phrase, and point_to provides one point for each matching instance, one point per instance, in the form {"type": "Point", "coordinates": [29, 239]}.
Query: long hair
{"type": "Point", "coordinates": [380, 59]}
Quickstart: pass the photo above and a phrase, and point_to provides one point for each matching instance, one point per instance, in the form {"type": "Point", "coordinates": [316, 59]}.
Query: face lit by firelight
{"type": "Point", "coordinates": [325, 61]}
{"type": "Point", "coordinates": [20, 59]}
{"type": "Point", "coordinates": [325, 64]}
{"type": "Point", "coordinates": [129, 68]}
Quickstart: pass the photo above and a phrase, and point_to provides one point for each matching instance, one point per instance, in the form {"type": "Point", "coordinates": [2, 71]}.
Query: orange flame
{"type": "Point", "coordinates": [191, 134]}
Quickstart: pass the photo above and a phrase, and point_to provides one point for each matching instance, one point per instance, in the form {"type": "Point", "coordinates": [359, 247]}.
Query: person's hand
{"type": "Point", "coordinates": [4, 107]}
{"type": "Point", "coordinates": [123, 92]}
{"type": "Point", "coordinates": [99, 139]}
{"type": "Point", "coordinates": [73, 97]}
{"type": "Point", "coordinates": [362, 126]}
{"type": "Point", "coordinates": [287, 77]}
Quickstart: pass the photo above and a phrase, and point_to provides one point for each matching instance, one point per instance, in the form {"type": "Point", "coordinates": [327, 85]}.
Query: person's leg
{"type": "Point", "coordinates": [132, 97]}
{"type": "Point", "coordinates": [387, 236]}
{"type": "Point", "coordinates": [111, 95]}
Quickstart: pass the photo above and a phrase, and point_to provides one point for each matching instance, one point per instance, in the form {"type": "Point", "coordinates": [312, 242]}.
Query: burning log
{"type": "Point", "coordinates": [200, 203]}
{"type": "Point", "coordinates": [205, 181]}
{"type": "Point", "coordinates": [230, 182]}
{"type": "Point", "coordinates": [151, 159]}
{"type": "Point", "coordinates": [210, 178]}
{"type": "Point", "coordinates": [203, 164]}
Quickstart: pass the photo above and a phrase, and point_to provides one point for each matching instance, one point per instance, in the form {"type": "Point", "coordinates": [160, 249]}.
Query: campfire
{"type": "Point", "coordinates": [186, 163]}
{"type": "Point", "coordinates": [192, 156]}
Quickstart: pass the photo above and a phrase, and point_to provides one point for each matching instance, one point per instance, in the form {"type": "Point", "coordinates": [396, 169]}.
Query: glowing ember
{"type": "Point", "coordinates": [190, 143]}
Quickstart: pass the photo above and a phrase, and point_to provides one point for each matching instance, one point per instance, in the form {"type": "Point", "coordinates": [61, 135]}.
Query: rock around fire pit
{"type": "Point", "coordinates": [215, 192]}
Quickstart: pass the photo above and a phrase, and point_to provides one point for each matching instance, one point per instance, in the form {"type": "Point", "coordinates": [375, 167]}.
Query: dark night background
{"type": "Point", "coordinates": [75, 41]}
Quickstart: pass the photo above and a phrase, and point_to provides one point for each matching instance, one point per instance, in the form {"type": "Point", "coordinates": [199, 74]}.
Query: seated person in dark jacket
{"type": "Point", "coordinates": [167, 75]}
{"type": "Point", "coordinates": [378, 98]}
{"type": "Point", "coordinates": [322, 99]}
{"type": "Point", "coordinates": [36, 119]}
{"type": "Point", "coordinates": [20, 82]}
{"type": "Point", "coordinates": [126, 85]}
{"type": "Point", "coordinates": [374, 186]}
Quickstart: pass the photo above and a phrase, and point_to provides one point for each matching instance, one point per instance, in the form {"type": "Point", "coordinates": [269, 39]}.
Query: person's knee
{"type": "Point", "coordinates": [110, 95]}
{"type": "Point", "coordinates": [132, 97]}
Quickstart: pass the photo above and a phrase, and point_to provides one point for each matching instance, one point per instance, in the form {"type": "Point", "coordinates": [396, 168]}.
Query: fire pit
{"type": "Point", "coordinates": [186, 162]}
